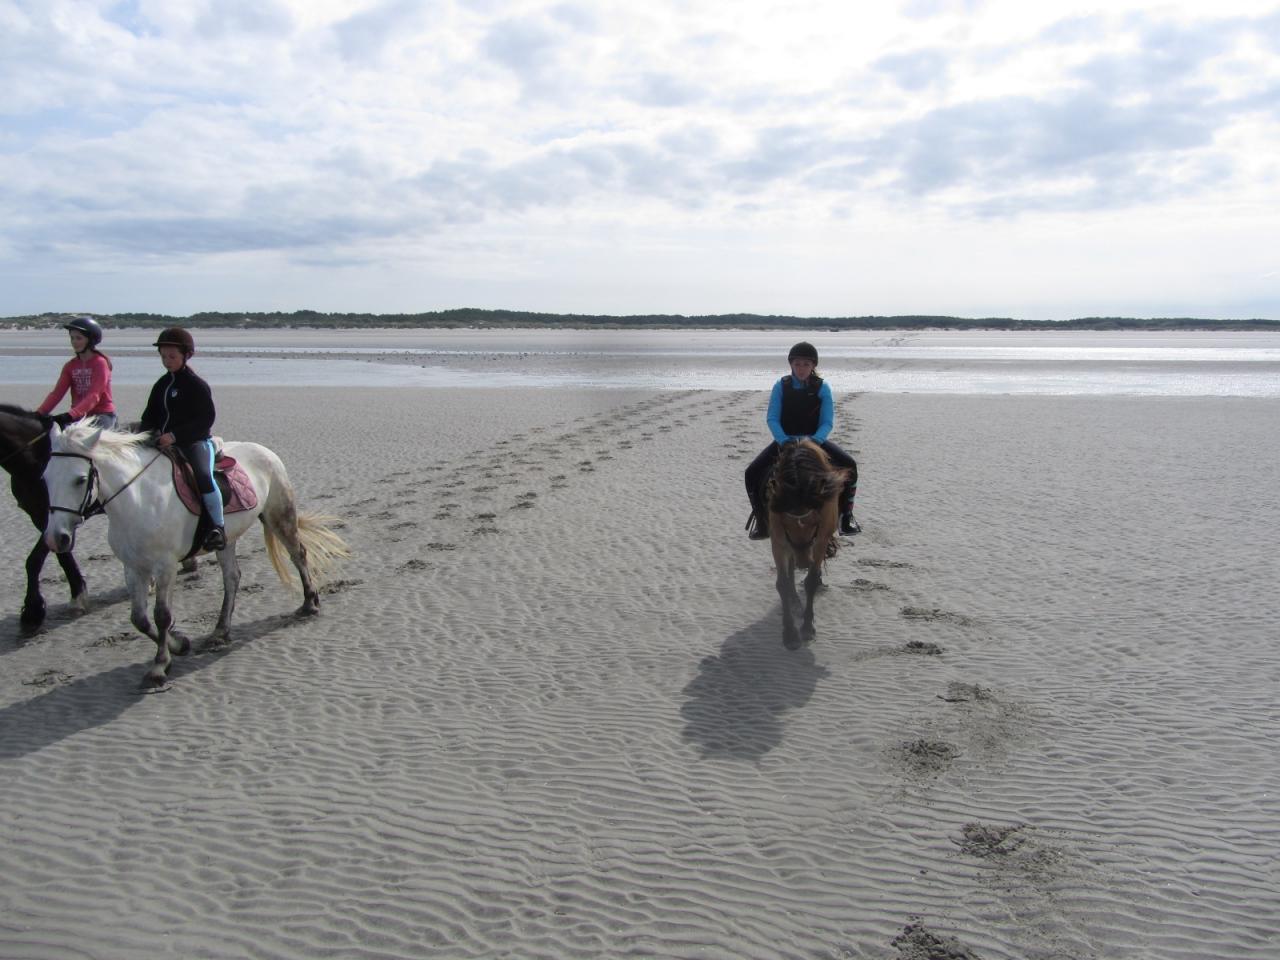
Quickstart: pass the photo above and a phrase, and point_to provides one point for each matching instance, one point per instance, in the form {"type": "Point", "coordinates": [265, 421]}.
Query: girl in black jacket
{"type": "Point", "coordinates": [180, 411]}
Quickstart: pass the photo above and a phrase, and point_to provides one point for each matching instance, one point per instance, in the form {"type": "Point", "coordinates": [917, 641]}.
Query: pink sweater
{"type": "Point", "coordinates": [90, 383]}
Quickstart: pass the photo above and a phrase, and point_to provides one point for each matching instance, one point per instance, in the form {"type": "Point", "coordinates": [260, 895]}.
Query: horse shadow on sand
{"type": "Point", "coordinates": [737, 704]}
{"type": "Point", "coordinates": [93, 701]}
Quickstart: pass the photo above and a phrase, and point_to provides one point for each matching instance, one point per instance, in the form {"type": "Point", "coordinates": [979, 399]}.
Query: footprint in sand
{"type": "Point", "coordinates": [116, 639]}
{"type": "Point", "coordinates": [934, 614]}
{"type": "Point", "coordinates": [918, 942]}
{"type": "Point", "coordinates": [922, 648]}
{"type": "Point", "coordinates": [966, 693]}
{"type": "Point", "coordinates": [1022, 861]}
{"type": "Point", "coordinates": [48, 678]}
{"type": "Point", "coordinates": [985, 840]}
{"type": "Point", "coordinates": [886, 564]}
{"type": "Point", "coordinates": [866, 586]}
{"type": "Point", "coordinates": [927, 758]}
{"type": "Point", "coordinates": [337, 586]}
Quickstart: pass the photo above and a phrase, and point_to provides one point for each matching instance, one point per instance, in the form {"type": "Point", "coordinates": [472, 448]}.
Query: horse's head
{"type": "Point", "coordinates": [72, 480]}
{"type": "Point", "coordinates": [803, 479]}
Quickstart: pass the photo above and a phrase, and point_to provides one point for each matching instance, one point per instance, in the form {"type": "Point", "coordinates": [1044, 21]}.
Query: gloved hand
{"type": "Point", "coordinates": [62, 419]}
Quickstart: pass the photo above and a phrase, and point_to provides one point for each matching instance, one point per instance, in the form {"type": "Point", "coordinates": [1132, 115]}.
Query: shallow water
{"type": "Point", "coordinates": [961, 362]}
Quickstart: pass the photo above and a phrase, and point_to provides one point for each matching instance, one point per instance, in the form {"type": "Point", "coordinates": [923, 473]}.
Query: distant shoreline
{"type": "Point", "coordinates": [515, 319]}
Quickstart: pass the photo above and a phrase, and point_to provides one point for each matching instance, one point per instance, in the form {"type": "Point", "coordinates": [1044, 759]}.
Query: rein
{"type": "Point", "coordinates": [89, 508]}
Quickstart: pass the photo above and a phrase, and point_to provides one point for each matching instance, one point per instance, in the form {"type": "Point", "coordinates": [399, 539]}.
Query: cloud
{"type": "Point", "coordinates": [363, 37]}
{"type": "Point", "coordinates": [530, 50]}
{"type": "Point", "coordinates": [916, 70]}
{"type": "Point", "coordinates": [233, 17]}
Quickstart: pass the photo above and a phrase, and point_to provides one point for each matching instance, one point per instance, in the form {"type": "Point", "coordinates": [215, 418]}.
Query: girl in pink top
{"type": "Point", "coordinates": [87, 374]}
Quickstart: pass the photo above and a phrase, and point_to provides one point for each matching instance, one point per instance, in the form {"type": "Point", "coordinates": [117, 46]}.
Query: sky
{"type": "Point", "coordinates": [976, 158]}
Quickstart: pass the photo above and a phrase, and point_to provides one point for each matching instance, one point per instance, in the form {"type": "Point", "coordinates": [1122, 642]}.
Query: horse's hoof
{"type": "Point", "coordinates": [309, 609]}
{"type": "Point", "coordinates": [32, 616]}
{"type": "Point", "coordinates": [80, 603]}
{"type": "Point", "coordinates": [179, 644]}
{"type": "Point", "coordinates": [807, 636]}
{"type": "Point", "coordinates": [791, 640]}
{"type": "Point", "coordinates": [154, 681]}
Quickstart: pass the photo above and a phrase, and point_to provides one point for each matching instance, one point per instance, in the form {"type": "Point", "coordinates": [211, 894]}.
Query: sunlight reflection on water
{"type": "Point", "coordinates": [1080, 363]}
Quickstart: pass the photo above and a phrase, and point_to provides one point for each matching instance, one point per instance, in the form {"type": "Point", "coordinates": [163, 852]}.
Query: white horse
{"type": "Point", "coordinates": [150, 530]}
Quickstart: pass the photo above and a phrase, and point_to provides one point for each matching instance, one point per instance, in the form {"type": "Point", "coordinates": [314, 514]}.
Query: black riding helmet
{"type": "Point", "coordinates": [88, 326]}
{"type": "Point", "coordinates": [176, 337]}
{"type": "Point", "coordinates": [804, 349]}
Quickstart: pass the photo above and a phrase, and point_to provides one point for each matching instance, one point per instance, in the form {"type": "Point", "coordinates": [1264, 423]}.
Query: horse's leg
{"type": "Point", "coordinates": [784, 563]}
{"type": "Point", "coordinates": [138, 586]}
{"type": "Point", "coordinates": [33, 603]}
{"type": "Point", "coordinates": [812, 580]}
{"type": "Point", "coordinates": [166, 643]}
{"type": "Point", "coordinates": [285, 527]}
{"type": "Point", "coordinates": [33, 608]}
{"type": "Point", "coordinates": [230, 586]}
{"type": "Point", "coordinates": [75, 581]}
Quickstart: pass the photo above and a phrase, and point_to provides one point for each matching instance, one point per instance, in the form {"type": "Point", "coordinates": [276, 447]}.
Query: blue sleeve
{"type": "Point", "coordinates": [827, 416]}
{"type": "Point", "coordinates": [774, 417]}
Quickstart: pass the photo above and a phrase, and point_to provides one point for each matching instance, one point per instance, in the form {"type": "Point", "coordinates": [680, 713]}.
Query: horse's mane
{"type": "Point", "coordinates": [802, 478]}
{"type": "Point", "coordinates": [111, 445]}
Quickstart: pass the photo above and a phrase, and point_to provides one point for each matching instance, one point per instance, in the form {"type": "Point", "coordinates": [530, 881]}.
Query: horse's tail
{"type": "Point", "coordinates": [316, 535]}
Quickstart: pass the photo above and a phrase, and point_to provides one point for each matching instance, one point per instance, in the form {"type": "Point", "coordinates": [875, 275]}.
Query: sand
{"type": "Point", "coordinates": [546, 712]}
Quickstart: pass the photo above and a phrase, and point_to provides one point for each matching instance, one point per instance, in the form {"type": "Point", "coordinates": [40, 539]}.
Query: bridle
{"type": "Point", "coordinates": [800, 517]}
{"type": "Point", "coordinates": [90, 506]}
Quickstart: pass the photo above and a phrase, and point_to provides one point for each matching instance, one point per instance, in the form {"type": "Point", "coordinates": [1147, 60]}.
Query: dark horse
{"type": "Point", "coordinates": [24, 452]}
{"type": "Point", "coordinates": [802, 493]}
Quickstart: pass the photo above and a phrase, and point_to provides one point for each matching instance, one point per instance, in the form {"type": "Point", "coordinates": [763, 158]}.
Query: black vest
{"type": "Point", "coordinates": [801, 409]}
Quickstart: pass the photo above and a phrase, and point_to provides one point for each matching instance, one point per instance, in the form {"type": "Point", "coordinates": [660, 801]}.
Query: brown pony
{"type": "Point", "coordinates": [802, 494]}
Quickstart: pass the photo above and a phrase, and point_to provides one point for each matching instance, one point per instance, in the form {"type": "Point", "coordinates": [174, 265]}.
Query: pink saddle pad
{"type": "Point", "coordinates": [241, 495]}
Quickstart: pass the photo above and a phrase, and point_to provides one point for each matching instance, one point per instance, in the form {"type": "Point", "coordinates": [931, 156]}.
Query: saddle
{"type": "Point", "coordinates": [234, 486]}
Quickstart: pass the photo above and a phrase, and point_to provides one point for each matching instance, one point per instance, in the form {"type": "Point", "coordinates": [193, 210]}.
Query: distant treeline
{"type": "Point", "coordinates": [470, 317]}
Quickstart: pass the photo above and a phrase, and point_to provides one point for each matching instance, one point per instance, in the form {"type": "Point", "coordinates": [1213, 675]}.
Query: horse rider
{"type": "Point", "coordinates": [180, 412]}
{"type": "Point", "coordinates": [87, 375]}
{"type": "Point", "coordinates": [800, 407]}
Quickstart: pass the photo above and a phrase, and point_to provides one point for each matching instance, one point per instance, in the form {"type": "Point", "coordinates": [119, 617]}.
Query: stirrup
{"type": "Point", "coordinates": [755, 529]}
{"type": "Point", "coordinates": [849, 527]}
{"type": "Point", "coordinates": [215, 539]}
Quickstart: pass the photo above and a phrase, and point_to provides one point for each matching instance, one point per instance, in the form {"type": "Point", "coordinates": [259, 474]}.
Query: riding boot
{"type": "Point", "coordinates": [216, 538]}
{"type": "Point", "coordinates": [848, 526]}
{"type": "Point", "coordinates": [758, 522]}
